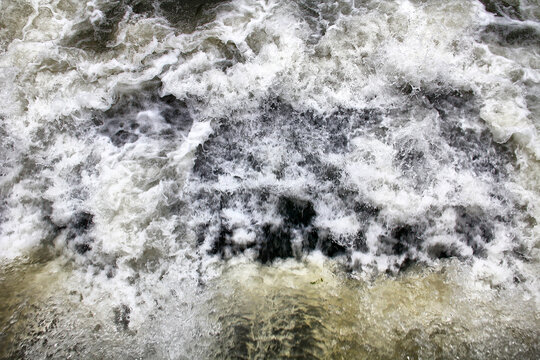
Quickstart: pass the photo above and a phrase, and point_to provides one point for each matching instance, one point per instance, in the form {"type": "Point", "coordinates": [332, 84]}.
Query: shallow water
{"type": "Point", "coordinates": [269, 179]}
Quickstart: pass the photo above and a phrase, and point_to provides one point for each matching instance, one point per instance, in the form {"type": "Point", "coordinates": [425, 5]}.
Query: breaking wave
{"type": "Point", "coordinates": [265, 178]}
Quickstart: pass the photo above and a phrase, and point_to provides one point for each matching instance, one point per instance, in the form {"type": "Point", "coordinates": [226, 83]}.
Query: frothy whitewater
{"type": "Point", "coordinates": [269, 179]}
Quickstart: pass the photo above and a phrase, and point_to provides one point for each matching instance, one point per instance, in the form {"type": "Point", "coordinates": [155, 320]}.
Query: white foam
{"type": "Point", "coordinates": [141, 195]}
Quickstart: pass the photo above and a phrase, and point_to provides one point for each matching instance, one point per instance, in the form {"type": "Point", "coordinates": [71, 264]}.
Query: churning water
{"type": "Point", "coordinates": [269, 179]}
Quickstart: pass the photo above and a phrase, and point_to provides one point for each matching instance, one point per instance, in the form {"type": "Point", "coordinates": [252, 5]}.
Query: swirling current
{"type": "Point", "coordinates": [269, 179]}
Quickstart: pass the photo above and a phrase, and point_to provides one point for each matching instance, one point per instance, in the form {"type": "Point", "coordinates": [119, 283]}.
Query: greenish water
{"type": "Point", "coordinates": [288, 310]}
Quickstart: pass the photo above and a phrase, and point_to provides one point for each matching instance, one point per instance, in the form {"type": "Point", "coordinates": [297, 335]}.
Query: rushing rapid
{"type": "Point", "coordinates": [269, 179]}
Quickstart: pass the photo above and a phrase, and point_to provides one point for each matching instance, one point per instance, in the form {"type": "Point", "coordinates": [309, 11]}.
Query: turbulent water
{"type": "Point", "coordinates": [269, 179]}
